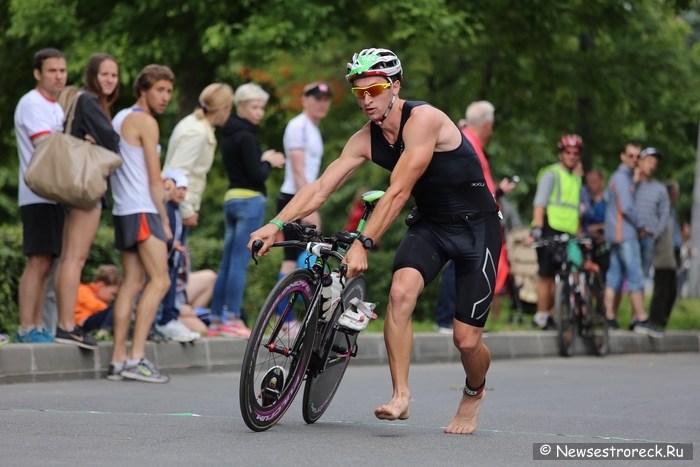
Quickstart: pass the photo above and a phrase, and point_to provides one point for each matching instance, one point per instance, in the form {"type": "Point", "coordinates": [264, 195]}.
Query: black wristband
{"type": "Point", "coordinates": [499, 192]}
{"type": "Point", "coordinates": [536, 233]}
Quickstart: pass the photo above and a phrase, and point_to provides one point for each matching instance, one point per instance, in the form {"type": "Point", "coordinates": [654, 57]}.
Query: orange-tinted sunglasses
{"type": "Point", "coordinates": [373, 90]}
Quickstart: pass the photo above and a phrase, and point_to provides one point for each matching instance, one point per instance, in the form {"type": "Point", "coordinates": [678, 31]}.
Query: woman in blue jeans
{"type": "Point", "coordinates": [247, 168]}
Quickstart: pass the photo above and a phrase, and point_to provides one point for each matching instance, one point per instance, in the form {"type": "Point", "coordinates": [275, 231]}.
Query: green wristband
{"type": "Point", "coordinates": [277, 223]}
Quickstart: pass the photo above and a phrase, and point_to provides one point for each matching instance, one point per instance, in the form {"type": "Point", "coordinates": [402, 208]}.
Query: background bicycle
{"type": "Point", "coordinates": [578, 296]}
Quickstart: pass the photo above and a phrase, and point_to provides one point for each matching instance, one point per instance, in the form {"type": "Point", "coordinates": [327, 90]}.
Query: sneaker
{"type": "Point", "coordinates": [76, 337]}
{"type": "Point", "coordinates": [235, 329]}
{"type": "Point", "coordinates": [155, 335]}
{"type": "Point", "coordinates": [444, 329]}
{"type": "Point", "coordinates": [645, 327]}
{"type": "Point", "coordinates": [4, 339]}
{"type": "Point", "coordinates": [144, 371]}
{"type": "Point", "coordinates": [633, 323]}
{"type": "Point", "coordinates": [175, 330]}
{"type": "Point", "coordinates": [32, 337]}
{"type": "Point", "coordinates": [114, 375]}
{"type": "Point", "coordinates": [47, 335]}
{"type": "Point", "coordinates": [612, 324]}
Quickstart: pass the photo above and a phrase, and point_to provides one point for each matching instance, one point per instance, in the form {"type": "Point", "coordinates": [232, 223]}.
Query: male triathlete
{"type": "Point", "coordinates": [455, 218]}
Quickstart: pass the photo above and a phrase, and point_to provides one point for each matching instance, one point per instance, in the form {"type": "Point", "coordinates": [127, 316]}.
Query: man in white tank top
{"type": "Point", "coordinates": [141, 226]}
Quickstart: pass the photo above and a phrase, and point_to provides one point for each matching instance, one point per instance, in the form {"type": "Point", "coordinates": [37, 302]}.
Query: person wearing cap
{"type": "Point", "coordinates": [651, 201]}
{"type": "Point", "coordinates": [166, 322]}
{"type": "Point", "coordinates": [456, 218]}
{"type": "Point", "coordinates": [623, 229]}
{"type": "Point", "coordinates": [555, 212]}
{"type": "Point", "coordinates": [303, 146]}
{"type": "Point", "coordinates": [247, 167]}
{"type": "Point", "coordinates": [192, 144]}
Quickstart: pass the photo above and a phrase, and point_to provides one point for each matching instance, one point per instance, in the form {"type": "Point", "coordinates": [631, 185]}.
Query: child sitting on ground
{"type": "Point", "coordinates": [92, 309]}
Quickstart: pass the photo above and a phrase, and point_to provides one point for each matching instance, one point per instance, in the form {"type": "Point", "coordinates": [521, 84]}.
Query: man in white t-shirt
{"type": "Point", "coordinates": [37, 116]}
{"type": "Point", "coordinates": [303, 147]}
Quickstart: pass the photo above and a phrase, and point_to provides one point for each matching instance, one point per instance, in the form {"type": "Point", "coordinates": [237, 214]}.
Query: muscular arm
{"type": "Point", "coordinates": [312, 196]}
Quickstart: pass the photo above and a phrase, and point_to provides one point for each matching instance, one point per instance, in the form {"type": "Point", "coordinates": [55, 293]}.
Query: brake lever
{"type": "Point", "coordinates": [257, 245]}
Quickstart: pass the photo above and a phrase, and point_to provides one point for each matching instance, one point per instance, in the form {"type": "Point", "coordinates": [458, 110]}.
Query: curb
{"type": "Point", "coordinates": [21, 363]}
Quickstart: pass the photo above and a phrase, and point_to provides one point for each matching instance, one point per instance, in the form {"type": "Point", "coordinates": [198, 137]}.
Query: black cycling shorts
{"type": "Point", "coordinates": [475, 248]}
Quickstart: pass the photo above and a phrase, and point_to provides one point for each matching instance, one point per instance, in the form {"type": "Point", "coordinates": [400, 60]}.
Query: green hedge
{"type": "Point", "coordinates": [206, 254]}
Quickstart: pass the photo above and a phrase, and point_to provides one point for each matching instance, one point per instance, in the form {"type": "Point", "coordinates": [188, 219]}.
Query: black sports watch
{"type": "Point", "coordinates": [367, 242]}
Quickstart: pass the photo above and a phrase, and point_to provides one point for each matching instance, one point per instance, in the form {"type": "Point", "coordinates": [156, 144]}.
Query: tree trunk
{"type": "Point", "coordinates": [694, 273]}
{"type": "Point", "coordinates": [585, 104]}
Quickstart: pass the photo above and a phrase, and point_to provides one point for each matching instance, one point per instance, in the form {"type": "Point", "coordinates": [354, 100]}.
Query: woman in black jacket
{"type": "Point", "coordinates": [92, 122]}
{"type": "Point", "coordinates": [247, 168]}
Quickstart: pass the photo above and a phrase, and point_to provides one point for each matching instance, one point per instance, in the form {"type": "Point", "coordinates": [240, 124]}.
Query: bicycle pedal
{"type": "Point", "coordinates": [271, 386]}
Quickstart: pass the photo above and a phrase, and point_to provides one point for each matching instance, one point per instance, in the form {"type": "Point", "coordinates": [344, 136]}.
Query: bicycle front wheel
{"type": "Point", "coordinates": [278, 351]}
{"type": "Point", "coordinates": [564, 309]}
{"type": "Point", "coordinates": [322, 383]}
{"type": "Point", "coordinates": [596, 332]}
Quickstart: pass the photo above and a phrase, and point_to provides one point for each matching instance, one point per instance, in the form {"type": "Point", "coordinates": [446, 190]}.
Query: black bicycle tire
{"type": "Point", "coordinates": [320, 388]}
{"type": "Point", "coordinates": [256, 416]}
{"type": "Point", "coordinates": [598, 344]}
{"type": "Point", "coordinates": [565, 320]}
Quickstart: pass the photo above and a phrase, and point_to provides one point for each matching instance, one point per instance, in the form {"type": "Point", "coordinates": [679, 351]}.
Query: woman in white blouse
{"type": "Point", "coordinates": [192, 144]}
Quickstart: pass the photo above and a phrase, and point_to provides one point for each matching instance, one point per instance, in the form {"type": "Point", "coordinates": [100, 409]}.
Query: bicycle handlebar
{"type": "Point", "coordinates": [561, 239]}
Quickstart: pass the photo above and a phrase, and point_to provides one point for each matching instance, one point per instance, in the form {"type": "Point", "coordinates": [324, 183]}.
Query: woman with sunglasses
{"type": "Point", "coordinates": [455, 218]}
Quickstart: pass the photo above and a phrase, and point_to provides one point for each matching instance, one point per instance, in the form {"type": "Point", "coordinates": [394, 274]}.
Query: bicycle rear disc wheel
{"type": "Point", "coordinates": [566, 320]}
{"type": "Point", "coordinates": [278, 351]}
{"type": "Point", "coordinates": [321, 386]}
{"type": "Point", "coordinates": [596, 332]}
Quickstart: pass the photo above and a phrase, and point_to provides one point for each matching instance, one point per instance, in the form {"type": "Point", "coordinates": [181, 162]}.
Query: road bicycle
{"type": "Point", "coordinates": [578, 304]}
{"type": "Point", "coordinates": [294, 339]}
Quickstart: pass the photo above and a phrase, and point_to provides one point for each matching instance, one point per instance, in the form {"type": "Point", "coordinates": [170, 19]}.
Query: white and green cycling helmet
{"type": "Point", "coordinates": [374, 62]}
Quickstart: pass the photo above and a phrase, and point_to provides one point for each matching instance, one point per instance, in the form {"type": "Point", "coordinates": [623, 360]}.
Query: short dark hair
{"type": "Point", "coordinates": [634, 143]}
{"type": "Point", "coordinates": [41, 56]}
{"type": "Point", "coordinates": [148, 77]}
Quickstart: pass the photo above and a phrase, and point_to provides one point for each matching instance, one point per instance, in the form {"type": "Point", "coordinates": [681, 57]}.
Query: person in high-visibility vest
{"type": "Point", "coordinates": [556, 211]}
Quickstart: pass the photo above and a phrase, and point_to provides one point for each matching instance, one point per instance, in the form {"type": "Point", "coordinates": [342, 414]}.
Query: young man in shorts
{"type": "Point", "coordinates": [141, 226]}
{"type": "Point", "coordinates": [37, 116]}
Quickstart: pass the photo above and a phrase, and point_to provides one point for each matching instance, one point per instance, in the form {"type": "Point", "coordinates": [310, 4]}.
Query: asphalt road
{"type": "Point", "coordinates": [194, 420]}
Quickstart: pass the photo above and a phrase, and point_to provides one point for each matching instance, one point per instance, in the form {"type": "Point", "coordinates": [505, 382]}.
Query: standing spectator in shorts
{"type": "Point", "coordinates": [168, 320]}
{"type": "Point", "coordinates": [556, 211]}
{"type": "Point", "coordinates": [247, 168]}
{"type": "Point", "coordinates": [141, 225]}
{"type": "Point", "coordinates": [92, 308]}
{"type": "Point", "coordinates": [651, 201]}
{"type": "Point", "coordinates": [92, 122]}
{"type": "Point", "coordinates": [623, 229]}
{"type": "Point", "coordinates": [303, 147]}
{"type": "Point", "coordinates": [37, 116]}
{"type": "Point", "coordinates": [192, 144]}
{"type": "Point", "coordinates": [666, 261]}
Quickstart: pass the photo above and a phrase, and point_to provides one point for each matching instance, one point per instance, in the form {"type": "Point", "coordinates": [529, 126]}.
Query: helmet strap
{"type": "Point", "coordinates": [391, 104]}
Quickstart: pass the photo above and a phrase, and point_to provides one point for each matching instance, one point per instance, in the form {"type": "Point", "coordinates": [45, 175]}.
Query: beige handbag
{"type": "Point", "coordinates": [70, 170]}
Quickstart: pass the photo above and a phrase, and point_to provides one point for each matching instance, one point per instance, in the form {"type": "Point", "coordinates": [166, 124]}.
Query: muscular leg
{"type": "Point", "coordinates": [398, 336]}
{"type": "Point", "coordinates": [476, 360]}
{"type": "Point", "coordinates": [78, 233]}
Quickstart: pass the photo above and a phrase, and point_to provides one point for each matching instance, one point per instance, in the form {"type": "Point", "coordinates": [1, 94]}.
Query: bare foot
{"type": "Point", "coordinates": [396, 409]}
{"type": "Point", "coordinates": [467, 416]}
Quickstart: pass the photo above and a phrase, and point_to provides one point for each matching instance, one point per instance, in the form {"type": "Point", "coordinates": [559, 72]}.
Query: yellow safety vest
{"type": "Point", "coordinates": [563, 206]}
